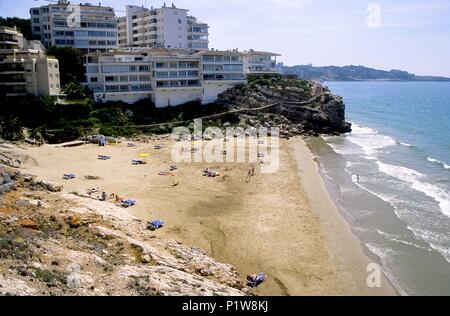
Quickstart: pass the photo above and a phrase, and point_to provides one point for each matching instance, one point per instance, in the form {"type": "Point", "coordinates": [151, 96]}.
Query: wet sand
{"type": "Point", "coordinates": [283, 224]}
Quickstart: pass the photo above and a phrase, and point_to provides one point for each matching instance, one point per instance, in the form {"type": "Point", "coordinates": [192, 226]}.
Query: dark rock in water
{"type": "Point", "coordinates": [294, 102]}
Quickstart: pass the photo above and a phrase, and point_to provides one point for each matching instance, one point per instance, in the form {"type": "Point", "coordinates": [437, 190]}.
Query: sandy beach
{"type": "Point", "coordinates": [284, 224]}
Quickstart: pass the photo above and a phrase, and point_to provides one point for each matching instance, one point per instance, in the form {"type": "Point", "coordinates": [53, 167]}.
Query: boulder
{"type": "Point", "coordinates": [28, 223]}
{"type": "Point", "coordinates": [75, 221]}
{"type": "Point", "coordinates": [41, 184]}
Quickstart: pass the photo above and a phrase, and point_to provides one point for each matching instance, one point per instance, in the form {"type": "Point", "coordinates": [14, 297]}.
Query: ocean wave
{"type": "Point", "coordinates": [369, 140]}
{"type": "Point", "coordinates": [438, 242]}
{"type": "Point", "coordinates": [443, 164]}
{"type": "Point", "coordinates": [415, 178]}
{"type": "Point", "coordinates": [385, 256]}
{"type": "Point", "coordinates": [400, 241]}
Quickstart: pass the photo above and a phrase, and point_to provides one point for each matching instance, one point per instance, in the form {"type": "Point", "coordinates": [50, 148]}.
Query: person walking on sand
{"type": "Point", "coordinates": [357, 177]}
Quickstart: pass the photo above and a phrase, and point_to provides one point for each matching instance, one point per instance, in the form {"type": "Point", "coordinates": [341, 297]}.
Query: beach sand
{"type": "Point", "coordinates": [283, 224]}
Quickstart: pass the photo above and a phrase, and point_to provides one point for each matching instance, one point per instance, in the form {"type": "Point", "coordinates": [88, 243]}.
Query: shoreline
{"type": "Point", "coordinates": [352, 258]}
{"type": "Point", "coordinates": [284, 224]}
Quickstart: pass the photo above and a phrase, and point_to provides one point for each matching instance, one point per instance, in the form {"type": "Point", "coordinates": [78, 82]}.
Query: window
{"type": "Point", "coordinates": [237, 68]}
{"type": "Point", "coordinates": [144, 78]}
{"type": "Point", "coordinates": [145, 87]}
{"type": "Point", "coordinates": [35, 12]}
{"type": "Point", "coordinates": [161, 74]}
{"type": "Point", "coordinates": [192, 73]}
{"type": "Point", "coordinates": [36, 20]}
{"type": "Point", "coordinates": [143, 68]}
{"type": "Point", "coordinates": [94, 79]}
{"type": "Point", "coordinates": [179, 21]}
{"type": "Point", "coordinates": [118, 68]}
{"type": "Point", "coordinates": [59, 23]}
{"type": "Point", "coordinates": [208, 58]}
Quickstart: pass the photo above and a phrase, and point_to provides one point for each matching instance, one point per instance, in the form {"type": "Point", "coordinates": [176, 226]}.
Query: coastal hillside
{"type": "Point", "coordinates": [353, 73]}
{"type": "Point", "coordinates": [297, 107]}
{"type": "Point", "coordinates": [59, 243]}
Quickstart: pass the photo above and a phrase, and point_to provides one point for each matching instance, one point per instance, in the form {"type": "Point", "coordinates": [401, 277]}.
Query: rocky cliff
{"type": "Point", "coordinates": [295, 106]}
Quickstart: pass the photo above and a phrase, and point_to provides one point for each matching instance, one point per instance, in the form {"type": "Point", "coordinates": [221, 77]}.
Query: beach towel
{"type": "Point", "coordinates": [256, 280]}
{"type": "Point", "coordinates": [138, 162]}
{"type": "Point", "coordinates": [103, 157]}
{"type": "Point", "coordinates": [69, 176]}
{"type": "Point", "coordinates": [154, 225]}
{"type": "Point", "coordinates": [128, 203]}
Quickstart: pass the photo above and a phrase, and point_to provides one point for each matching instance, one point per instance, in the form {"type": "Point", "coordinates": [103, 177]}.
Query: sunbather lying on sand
{"type": "Point", "coordinates": [210, 173]}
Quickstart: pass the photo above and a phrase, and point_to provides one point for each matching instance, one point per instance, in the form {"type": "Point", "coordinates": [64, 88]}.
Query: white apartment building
{"type": "Point", "coordinates": [24, 67]}
{"type": "Point", "coordinates": [258, 62]}
{"type": "Point", "coordinates": [84, 26]}
{"type": "Point", "coordinates": [169, 77]}
{"type": "Point", "coordinates": [166, 27]}
{"type": "Point", "coordinates": [221, 70]}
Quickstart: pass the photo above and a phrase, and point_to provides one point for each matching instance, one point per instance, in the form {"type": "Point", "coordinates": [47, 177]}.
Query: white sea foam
{"type": "Point", "coordinates": [437, 241]}
{"type": "Point", "coordinates": [415, 178]}
{"type": "Point", "coordinates": [370, 140]}
{"type": "Point", "coordinates": [443, 164]}
{"type": "Point", "coordinates": [405, 144]}
{"type": "Point", "coordinates": [385, 254]}
{"type": "Point", "coordinates": [400, 241]}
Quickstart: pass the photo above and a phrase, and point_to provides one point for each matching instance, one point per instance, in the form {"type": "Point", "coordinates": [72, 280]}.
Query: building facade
{"type": "Point", "coordinates": [24, 67]}
{"type": "Point", "coordinates": [168, 77]}
{"type": "Point", "coordinates": [258, 62]}
{"type": "Point", "coordinates": [166, 27]}
{"type": "Point", "coordinates": [83, 26]}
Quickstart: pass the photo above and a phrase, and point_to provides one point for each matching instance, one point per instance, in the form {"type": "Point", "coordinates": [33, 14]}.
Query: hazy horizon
{"type": "Point", "coordinates": [409, 35]}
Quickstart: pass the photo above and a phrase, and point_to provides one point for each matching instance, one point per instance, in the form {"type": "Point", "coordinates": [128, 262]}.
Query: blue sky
{"type": "Point", "coordinates": [414, 35]}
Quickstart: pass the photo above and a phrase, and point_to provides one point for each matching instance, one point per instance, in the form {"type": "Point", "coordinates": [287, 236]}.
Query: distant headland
{"type": "Point", "coordinates": [353, 73]}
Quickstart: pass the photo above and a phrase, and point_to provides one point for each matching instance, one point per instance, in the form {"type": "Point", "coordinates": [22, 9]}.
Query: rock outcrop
{"type": "Point", "coordinates": [295, 106]}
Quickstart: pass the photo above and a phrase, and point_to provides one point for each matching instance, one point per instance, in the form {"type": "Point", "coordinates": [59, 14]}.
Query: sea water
{"type": "Point", "coordinates": [391, 178]}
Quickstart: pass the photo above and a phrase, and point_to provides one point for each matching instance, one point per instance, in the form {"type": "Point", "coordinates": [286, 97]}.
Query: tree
{"type": "Point", "coordinates": [71, 67]}
{"type": "Point", "coordinates": [23, 25]}
{"type": "Point", "coordinates": [76, 91]}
